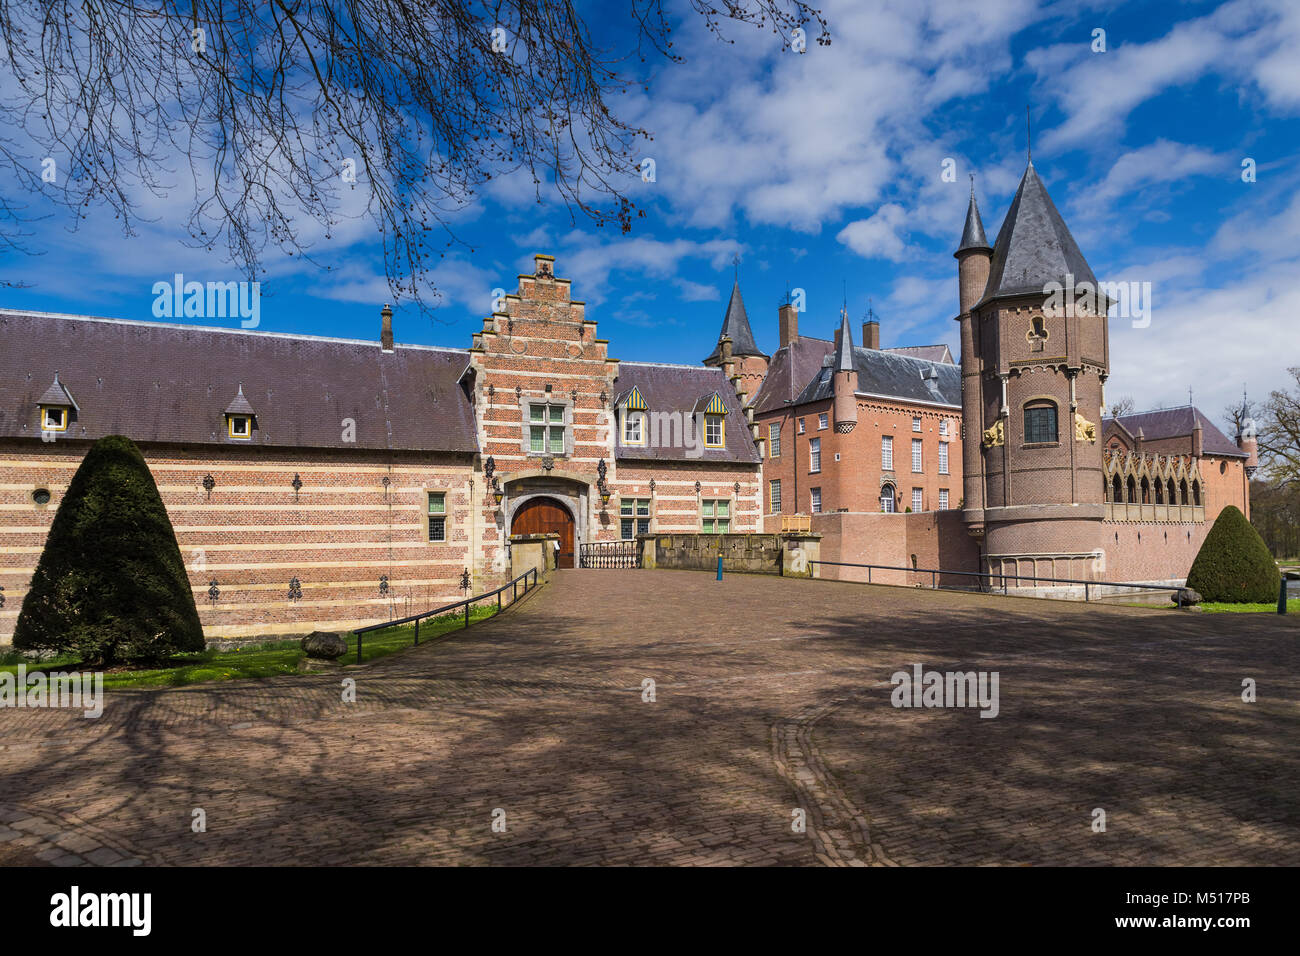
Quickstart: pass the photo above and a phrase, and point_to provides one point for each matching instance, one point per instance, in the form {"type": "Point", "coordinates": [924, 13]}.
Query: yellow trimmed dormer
{"type": "Point", "coordinates": [56, 407]}
{"type": "Point", "coordinates": [240, 418]}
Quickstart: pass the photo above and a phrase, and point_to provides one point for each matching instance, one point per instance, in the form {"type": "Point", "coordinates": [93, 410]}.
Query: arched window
{"type": "Point", "coordinates": [1040, 422]}
{"type": "Point", "coordinates": [1132, 491]}
{"type": "Point", "coordinates": [1173, 495]}
{"type": "Point", "coordinates": [1117, 490]}
{"type": "Point", "coordinates": [1182, 492]}
{"type": "Point", "coordinates": [1196, 493]}
{"type": "Point", "coordinates": [887, 498]}
{"type": "Point", "coordinates": [1146, 490]}
{"type": "Point", "coordinates": [1160, 492]}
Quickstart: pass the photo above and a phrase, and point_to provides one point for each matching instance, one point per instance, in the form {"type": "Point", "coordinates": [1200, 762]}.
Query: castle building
{"type": "Point", "coordinates": [326, 483]}
{"type": "Point", "coordinates": [1004, 465]}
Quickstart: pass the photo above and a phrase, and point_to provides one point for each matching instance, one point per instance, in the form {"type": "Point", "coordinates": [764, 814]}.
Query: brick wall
{"type": "Point", "coordinates": [934, 539]}
{"type": "Point", "coordinates": [854, 482]}
{"type": "Point", "coordinates": [338, 535]}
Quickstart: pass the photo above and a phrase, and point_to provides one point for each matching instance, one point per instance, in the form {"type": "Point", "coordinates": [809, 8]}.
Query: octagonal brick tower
{"type": "Point", "coordinates": [1035, 356]}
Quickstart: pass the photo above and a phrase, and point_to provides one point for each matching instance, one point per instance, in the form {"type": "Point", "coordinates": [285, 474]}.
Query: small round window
{"type": "Point", "coordinates": [41, 496]}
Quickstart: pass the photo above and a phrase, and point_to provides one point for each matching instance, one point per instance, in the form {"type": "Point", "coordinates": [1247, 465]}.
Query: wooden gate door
{"type": "Point", "coordinates": [547, 516]}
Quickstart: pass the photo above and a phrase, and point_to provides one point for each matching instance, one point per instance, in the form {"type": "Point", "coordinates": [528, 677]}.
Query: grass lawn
{"type": "Point", "coordinates": [1222, 607]}
{"type": "Point", "coordinates": [256, 660]}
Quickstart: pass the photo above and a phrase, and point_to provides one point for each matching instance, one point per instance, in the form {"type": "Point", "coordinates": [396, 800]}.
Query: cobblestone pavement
{"type": "Point", "coordinates": [771, 696]}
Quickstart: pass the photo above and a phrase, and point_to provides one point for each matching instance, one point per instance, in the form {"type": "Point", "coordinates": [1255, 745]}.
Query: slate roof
{"type": "Point", "coordinates": [1177, 422]}
{"type": "Point", "coordinates": [172, 383]}
{"type": "Point", "coordinates": [239, 405]}
{"type": "Point", "coordinates": [680, 388]}
{"type": "Point", "coordinates": [791, 368]}
{"type": "Point", "coordinates": [892, 375]}
{"type": "Point", "coordinates": [972, 237]}
{"type": "Point", "coordinates": [931, 353]}
{"type": "Point", "coordinates": [1034, 246]}
{"type": "Point", "coordinates": [57, 394]}
{"type": "Point", "coordinates": [843, 358]}
{"type": "Point", "coordinates": [735, 325]}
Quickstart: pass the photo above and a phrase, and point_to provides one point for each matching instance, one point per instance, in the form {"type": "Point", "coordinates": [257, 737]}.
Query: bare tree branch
{"type": "Point", "coordinates": [273, 105]}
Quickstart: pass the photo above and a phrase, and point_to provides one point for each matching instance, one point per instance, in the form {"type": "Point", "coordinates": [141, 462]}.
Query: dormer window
{"type": "Point", "coordinates": [634, 428]}
{"type": "Point", "coordinates": [57, 407]}
{"type": "Point", "coordinates": [634, 417]}
{"type": "Point", "coordinates": [240, 418]}
{"type": "Point", "coordinates": [715, 432]}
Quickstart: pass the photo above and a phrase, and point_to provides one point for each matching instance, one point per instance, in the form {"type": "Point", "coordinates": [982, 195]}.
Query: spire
{"type": "Point", "coordinates": [844, 345]}
{"type": "Point", "coordinates": [735, 325]}
{"type": "Point", "coordinates": [972, 237]}
{"type": "Point", "coordinates": [1029, 138]}
{"type": "Point", "coordinates": [1034, 246]}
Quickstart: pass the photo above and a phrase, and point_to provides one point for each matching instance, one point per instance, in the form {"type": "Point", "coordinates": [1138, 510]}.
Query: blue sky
{"type": "Point", "coordinates": [823, 171]}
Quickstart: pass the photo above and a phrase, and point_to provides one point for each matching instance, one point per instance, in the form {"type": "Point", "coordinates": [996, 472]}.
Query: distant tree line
{"type": "Point", "coordinates": [1275, 491]}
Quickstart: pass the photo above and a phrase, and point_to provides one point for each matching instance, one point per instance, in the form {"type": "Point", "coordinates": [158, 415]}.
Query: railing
{"type": "Point", "coordinates": [796, 523]}
{"type": "Point", "coordinates": [512, 586]}
{"type": "Point", "coordinates": [610, 554]}
{"type": "Point", "coordinates": [989, 576]}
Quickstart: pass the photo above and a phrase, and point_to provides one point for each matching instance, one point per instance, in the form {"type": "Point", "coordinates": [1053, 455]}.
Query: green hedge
{"type": "Point", "coordinates": [1233, 564]}
{"type": "Point", "coordinates": [111, 585]}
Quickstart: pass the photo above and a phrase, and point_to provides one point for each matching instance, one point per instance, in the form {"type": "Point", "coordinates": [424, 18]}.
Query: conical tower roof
{"type": "Point", "coordinates": [735, 326]}
{"type": "Point", "coordinates": [1034, 246]}
{"type": "Point", "coordinates": [972, 237]}
{"type": "Point", "coordinates": [843, 361]}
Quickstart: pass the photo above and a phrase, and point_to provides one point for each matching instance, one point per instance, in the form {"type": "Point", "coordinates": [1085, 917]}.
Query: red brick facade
{"type": "Point", "coordinates": [355, 532]}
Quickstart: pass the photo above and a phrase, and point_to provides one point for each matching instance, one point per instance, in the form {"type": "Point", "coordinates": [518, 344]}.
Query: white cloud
{"type": "Point", "coordinates": [878, 235]}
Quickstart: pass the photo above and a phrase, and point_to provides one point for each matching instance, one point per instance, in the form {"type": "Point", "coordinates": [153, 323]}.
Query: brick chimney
{"type": "Point", "coordinates": [386, 328]}
{"type": "Point", "coordinates": [871, 334]}
{"type": "Point", "coordinates": [788, 322]}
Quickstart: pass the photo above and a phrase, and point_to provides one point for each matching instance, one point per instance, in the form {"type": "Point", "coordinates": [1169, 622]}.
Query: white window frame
{"type": "Point", "coordinates": [943, 458]}
{"type": "Point", "coordinates": [774, 496]}
{"type": "Point", "coordinates": [814, 456]}
{"type": "Point", "coordinates": [943, 499]}
{"type": "Point", "coordinates": [630, 419]}
{"type": "Point", "coordinates": [430, 515]}
{"type": "Point", "coordinates": [823, 421]}
{"type": "Point", "coordinates": [815, 500]}
{"type": "Point", "coordinates": [774, 440]}
{"type": "Point", "coordinates": [886, 452]}
{"type": "Point", "coordinates": [45, 418]}
{"type": "Point", "coordinates": [918, 457]}
{"type": "Point", "coordinates": [916, 424]}
{"type": "Point", "coordinates": [918, 500]}
{"type": "Point", "coordinates": [634, 515]}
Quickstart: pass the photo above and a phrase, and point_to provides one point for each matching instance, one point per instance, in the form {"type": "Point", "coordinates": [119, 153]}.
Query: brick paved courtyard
{"type": "Point", "coordinates": [772, 694]}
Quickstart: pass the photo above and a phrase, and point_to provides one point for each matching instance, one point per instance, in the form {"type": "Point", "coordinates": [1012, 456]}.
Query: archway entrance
{"type": "Point", "coordinates": [547, 516]}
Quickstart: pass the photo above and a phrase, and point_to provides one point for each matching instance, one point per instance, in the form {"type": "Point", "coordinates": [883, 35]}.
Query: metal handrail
{"type": "Point", "coordinates": [935, 572]}
{"type": "Point", "coordinates": [464, 602]}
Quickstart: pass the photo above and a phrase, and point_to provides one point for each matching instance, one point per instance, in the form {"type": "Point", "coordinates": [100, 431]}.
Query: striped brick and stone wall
{"type": "Point", "coordinates": [356, 519]}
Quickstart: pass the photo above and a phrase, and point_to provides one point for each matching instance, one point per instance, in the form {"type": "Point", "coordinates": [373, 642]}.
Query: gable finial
{"type": "Point", "coordinates": [972, 187]}
{"type": "Point", "coordinates": [1029, 137]}
{"type": "Point", "coordinates": [735, 263]}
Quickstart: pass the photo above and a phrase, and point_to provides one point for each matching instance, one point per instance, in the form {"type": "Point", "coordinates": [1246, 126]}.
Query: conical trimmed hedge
{"type": "Point", "coordinates": [1234, 563]}
{"type": "Point", "coordinates": [111, 584]}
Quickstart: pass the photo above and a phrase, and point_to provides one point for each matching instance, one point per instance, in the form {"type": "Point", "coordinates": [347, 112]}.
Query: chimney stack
{"type": "Point", "coordinates": [871, 334]}
{"type": "Point", "coordinates": [788, 321]}
{"type": "Point", "coordinates": [1198, 436]}
{"type": "Point", "coordinates": [386, 328]}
